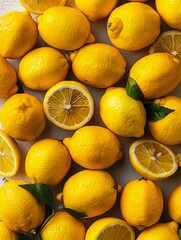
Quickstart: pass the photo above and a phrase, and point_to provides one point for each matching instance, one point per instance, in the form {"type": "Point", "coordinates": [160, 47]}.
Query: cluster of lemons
{"type": "Point", "coordinates": [66, 30]}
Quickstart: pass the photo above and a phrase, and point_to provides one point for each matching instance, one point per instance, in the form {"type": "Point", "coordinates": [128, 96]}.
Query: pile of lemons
{"type": "Point", "coordinates": [135, 97]}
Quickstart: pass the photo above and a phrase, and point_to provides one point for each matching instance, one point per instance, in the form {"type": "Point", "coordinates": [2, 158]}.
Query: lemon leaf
{"type": "Point", "coordinates": [41, 191]}
{"type": "Point", "coordinates": [179, 233]}
{"type": "Point", "coordinates": [39, 1]}
{"type": "Point", "coordinates": [72, 212]}
{"type": "Point", "coordinates": [155, 112]}
{"type": "Point", "coordinates": [133, 90]}
{"type": "Point", "coordinates": [37, 237]}
{"type": "Point", "coordinates": [22, 236]}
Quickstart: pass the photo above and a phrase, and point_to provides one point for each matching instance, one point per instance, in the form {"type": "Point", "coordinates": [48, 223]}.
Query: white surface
{"type": "Point", "coordinates": [121, 171]}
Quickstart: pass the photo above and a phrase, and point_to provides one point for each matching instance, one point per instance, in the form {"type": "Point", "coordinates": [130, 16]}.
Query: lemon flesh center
{"type": "Point", "coordinates": [115, 232]}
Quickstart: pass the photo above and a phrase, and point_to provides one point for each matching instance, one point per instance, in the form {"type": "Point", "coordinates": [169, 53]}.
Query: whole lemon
{"type": "Point", "coordinates": [65, 28]}
{"type": "Point", "coordinates": [174, 208]}
{"type": "Point", "coordinates": [47, 161]}
{"type": "Point", "coordinates": [20, 210]}
{"type": "Point", "coordinates": [169, 11]}
{"type": "Point", "coordinates": [96, 9]}
{"type": "Point", "coordinates": [94, 147]}
{"type": "Point", "coordinates": [18, 34]}
{"type": "Point", "coordinates": [122, 114]}
{"type": "Point", "coordinates": [63, 226]}
{"type": "Point", "coordinates": [156, 74]}
{"type": "Point", "coordinates": [133, 26]}
{"type": "Point", "coordinates": [141, 203]}
{"type": "Point", "coordinates": [6, 233]}
{"type": "Point", "coordinates": [8, 79]}
{"type": "Point", "coordinates": [99, 65]}
{"type": "Point", "coordinates": [160, 231]}
{"type": "Point", "coordinates": [42, 68]}
{"type": "Point", "coordinates": [91, 192]}
{"type": "Point", "coordinates": [168, 129]}
{"type": "Point", "coordinates": [22, 117]}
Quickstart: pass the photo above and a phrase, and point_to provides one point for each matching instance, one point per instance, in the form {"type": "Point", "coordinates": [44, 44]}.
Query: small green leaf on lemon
{"type": "Point", "coordinates": [75, 213]}
{"type": "Point", "coordinates": [37, 237]}
{"type": "Point", "coordinates": [133, 90]}
{"type": "Point", "coordinates": [156, 112]}
{"type": "Point", "coordinates": [22, 236]}
{"type": "Point", "coordinates": [179, 233]}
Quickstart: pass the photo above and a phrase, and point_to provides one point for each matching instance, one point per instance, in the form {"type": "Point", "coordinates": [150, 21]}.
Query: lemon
{"type": "Point", "coordinates": [92, 192]}
{"type": "Point", "coordinates": [152, 159]}
{"type": "Point", "coordinates": [110, 228]}
{"type": "Point", "coordinates": [6, 233]}
{"type": "Point", "coordinates": [18, 34]}
{"type": "Point", "coordinates": [55, 24]}
{"type": "Point", "coordinates": [141, 203]}
{"type": "Point", "coordinates": [68, 105]}
{"type": "Point", "coordinates": [38, 7]}
{"type": "Point", "coordinates": [168, 129]}
{"type": "Point", "coordinates": [122, 114]}
{"type": "Point", "coordinates": [169, 10]}
{"type": "Point", "coordinates": [156, 74]}
{"type": "Point", "coordinates": [174, 207]}
{"type": "Point", "coordinates": [168, 41]}
{"type": "Point", "coordinates": [22, 117]}
{"type": "Point", "coordinates": [94, 147]}
{"type": "Point", "coordinates": [10, 155]}
{"type": "Point", "coordinates": [47, 161]}
{"type": "Point", "coordinates": [132, 30]}
{"type": "Point", "coordinates": [63, 226]}
{"type": "Point", "coordinates": [99, 65]}
{"type": "Point", "coordinates": [20, 210]}
{"type": "Point", "coordinates": [42, 68]}
{"type": "Point", "coordinates": [159, 231]}
{"type": "Point", "coordinates": [96, 9]}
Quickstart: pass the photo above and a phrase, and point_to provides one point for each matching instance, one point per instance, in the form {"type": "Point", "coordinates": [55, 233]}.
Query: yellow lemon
{"type": "Point", "coordinates": [110, 228]}
{"type": "Point", "coordinates": [133, 30]}
{"type": "Point", "coordinates": [22, 117]}
{"type": "Point", "coordinates": [168, 129]}
{"type": "Point", "coordinates": [96, 9]}
{"type": "Point", "coordinates": [8, 79]}
{"type": "Point", "coordinates": [99, 65]}
{"type": "Point", "coordinates": [174, 208]}
{"type": "Point", "coordinates": [20, 210]}
{"type": "Point", "coordinates": [156, 74]}
{"type": "Point", "coordinates": [94, 147]}
{"type": "Point", "coordinates": [55, 24]}
{"type": "Point", "coordinates": [6, 233]}
{"type": "Point", "coordinates": [18, 34]}
{"type": "Point", "coordinates": [42, 68]}
{"type": "Point", "coordinates": [47, 161]}
{"type": "Point", "coordinates": [159, 231]}
{"type": "Point", "coordinates": [169, 11]}
{"type": "Point", "coordinates": [141, 203]}
{"type": "Point", "coordinates": [122, 114]}
{"type": "Point", "coordinates": [68, 105]}
{"type": "Point", "coordinates": [152, 159]}
{"type": "Point", "coordinates": [91, 192]}
{"type": "Point", "coordinates": [63, 226]}
{"type": "Point", "coordinates": [10, 155]}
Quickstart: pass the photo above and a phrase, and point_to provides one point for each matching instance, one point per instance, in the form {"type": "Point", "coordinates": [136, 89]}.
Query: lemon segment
{"type": "Point", "coordinates": [169, 42]}
{"type": "Point", "coordinates": [69, 105]}
{"type": "Point", "coordinates": [10, 155]}
{"type": "Point", "coordinates": [152, 159]}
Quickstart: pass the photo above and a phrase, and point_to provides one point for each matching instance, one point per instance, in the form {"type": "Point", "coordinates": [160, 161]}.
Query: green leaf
{"type": "Point", "coordinates": [39, 1]}
{"type": "Point", "coordinates": [75, 213]}
{"type": "Point", "coordinates": [179, 233]}
{"type": "Point", "coordinates": [156, 112]}
{"type": "Point", "coordinates": [37, 237]}
{"type": "Point", "coordinates": [22, 236]}
{"type": "Point", "coordinates": [133, 90]}
{"type": "Point", "coordinates": [41, 191]}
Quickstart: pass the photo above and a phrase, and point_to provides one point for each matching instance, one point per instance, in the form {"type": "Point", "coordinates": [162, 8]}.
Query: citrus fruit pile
{"type": "Point", "coordinates": [90, 138]}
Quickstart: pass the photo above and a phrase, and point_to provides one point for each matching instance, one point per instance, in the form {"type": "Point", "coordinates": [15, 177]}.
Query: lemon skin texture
{"type": "Point", "coordinates": [174, 209]}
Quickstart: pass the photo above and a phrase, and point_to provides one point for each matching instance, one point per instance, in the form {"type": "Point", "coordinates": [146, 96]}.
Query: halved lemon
{"type": "Point", "coordinates": [169, 42]}
{"type": "Point", "coordinates": [110, 228]}
{"type": "Point", "coordinates": [69, 105]}
{"type": "Point", "coordinates": [152, 159]}
{"type": "Point", "coordinates": [10, 155]}
{"type": "Point", "coordinates": [39, 6]}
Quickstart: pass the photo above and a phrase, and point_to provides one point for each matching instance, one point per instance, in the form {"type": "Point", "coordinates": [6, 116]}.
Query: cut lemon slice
{"type": "Point", "coordinates": [110, 228]}
{"type": "Point", "coordinates": [39, 6]}
{"type": "Point", "coordinates": [69, 105]}
{"type": "Point", "coordinates": [169, 42]}
{"type": "Point", "coordinates": [152, 159]}
{"type": "Point", "coordinates": [10, 155]}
